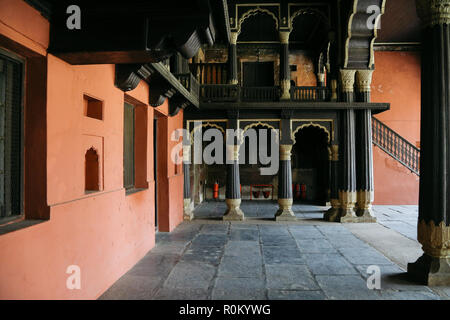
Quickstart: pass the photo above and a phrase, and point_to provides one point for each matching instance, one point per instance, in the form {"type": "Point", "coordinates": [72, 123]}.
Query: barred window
{"type": "Point", "coordinates": [11, 148]}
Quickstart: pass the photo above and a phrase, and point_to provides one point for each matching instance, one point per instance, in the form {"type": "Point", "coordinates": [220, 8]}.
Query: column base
{"type": "Point", "coordinates": [347, 212]}
{"type": "Point", "coordinates": [430, 271]}
{"type": "Point", "coordinates": [364, 206]}
{"type": "Point", "coordinates": [365, 216]}
{"type": "Point", "coordinates": [234, 212]}
{"type": "Point", "coordinates": [188, 213]}
{"type": "Point", "coordinates": [348, 216]}
{"type": "Point", "coordinates": [285, 212]}
{"type": "Point", "coordinates": [332, 215]}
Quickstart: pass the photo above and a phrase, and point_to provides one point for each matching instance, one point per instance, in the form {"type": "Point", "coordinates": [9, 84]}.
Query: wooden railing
{"type": "Point", "coordinates": [309, 94]}
{"type": "Point", "coordinates": [260, 94]}
{"type": "Point", "coordinates": [210, 73]}
{"type": "Point", "coordinates": [219, 93]}
{"type": "Point", "coordinates": [189, 82]}
{"type": "Point", "coordinates": [396, 146]}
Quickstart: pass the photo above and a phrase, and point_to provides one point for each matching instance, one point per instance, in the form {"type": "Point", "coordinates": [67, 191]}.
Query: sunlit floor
{"type": "Point", "coordinates": [261, 259]}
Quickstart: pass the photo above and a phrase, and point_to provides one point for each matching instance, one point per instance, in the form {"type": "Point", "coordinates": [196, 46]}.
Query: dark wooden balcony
{"type": "Point", "coordinates": [189, 82]}
{"type": "Point", "coordinates": [210, 93]}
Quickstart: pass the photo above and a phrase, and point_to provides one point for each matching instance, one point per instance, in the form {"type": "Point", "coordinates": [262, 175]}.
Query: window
{"type": "Point", "coordinates": [135, 146]}
{"type": "Point", "coordinates": [11, 149]}
{"type": "Point", "coordinates": [128, 147]}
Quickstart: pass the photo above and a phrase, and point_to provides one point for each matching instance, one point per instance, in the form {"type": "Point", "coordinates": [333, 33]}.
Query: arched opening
{"type": "Point", "coordinates": [212, 169]}
{"type": "Point", "coordinates": [255, 155]}
{"type": "Point", "coordinates": [310, 165]}
{"type": "Point", "coordinates": [259, 26]}
{"type": "Point", "coordinates": [92, 178]}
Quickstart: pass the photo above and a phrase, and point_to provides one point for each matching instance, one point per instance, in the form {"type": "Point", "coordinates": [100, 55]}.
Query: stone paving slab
{"type": "Point", "coordinates": [308, 259]}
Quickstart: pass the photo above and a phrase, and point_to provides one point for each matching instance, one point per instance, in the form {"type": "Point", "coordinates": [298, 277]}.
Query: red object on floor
{"type": "Point", "coordinates": [216, 191]}
{"type": "Point", "coordinates": [303, 191]}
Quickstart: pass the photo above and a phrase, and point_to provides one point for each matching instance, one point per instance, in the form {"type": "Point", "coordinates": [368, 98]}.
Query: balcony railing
{"type": "Point", "coordinates": [220, 93]}
{"type": "Point", "coordinates": [310, 94]}
{"type": "Point", "coordinates": [236, 93]}
{"type": "Point", "coordinates": [257, 94]}
{"type": "Point", "coordinates": [189, 82]}
{"type": "Point", "coordinates": [396, 146]}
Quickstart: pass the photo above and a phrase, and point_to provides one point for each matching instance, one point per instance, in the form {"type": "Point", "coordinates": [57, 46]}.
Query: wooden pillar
{"type": "Point", "coordinates": [285, 72]}
{"type": "Point", "coordinates": [285, 196]}
{"type": "Point", "coordinates": [333, 214]}
{"type": "Point", "coordinates": [347, 188]}
{"type": "Point", "coordinates": [364, 151]}
{"type": "Point", "coordinates": [188, 212]}
{"type": "Point", "coordinates": [233, 186]}
{"type": "Point", "coordinates": [433, 268]}
{"type": "Point", "coordinates": [232, 60]}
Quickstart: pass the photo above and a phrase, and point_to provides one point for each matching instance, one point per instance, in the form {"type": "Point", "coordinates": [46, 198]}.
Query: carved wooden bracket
{"type": "Point", "coordinates": [162, 83]}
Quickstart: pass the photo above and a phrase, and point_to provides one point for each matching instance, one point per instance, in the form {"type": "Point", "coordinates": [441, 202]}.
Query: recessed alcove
{"type": "Point", "coordinates": [92, 171]}
{"type": "Point", "coordinates": [93, 108]}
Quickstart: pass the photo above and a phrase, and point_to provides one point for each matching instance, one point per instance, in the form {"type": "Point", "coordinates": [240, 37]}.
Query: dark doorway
{"type": "Point", "coordinates": [258, 74]}
{"type": "Point", "coordinates": [310, 165]}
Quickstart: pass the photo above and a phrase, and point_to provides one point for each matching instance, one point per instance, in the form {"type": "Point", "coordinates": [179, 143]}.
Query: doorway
{"type": "Point", "coordinates": [258, 74]}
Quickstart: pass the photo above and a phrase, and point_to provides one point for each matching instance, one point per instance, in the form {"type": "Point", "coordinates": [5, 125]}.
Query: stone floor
{"type": "Point", "coordinates": [260, 259]}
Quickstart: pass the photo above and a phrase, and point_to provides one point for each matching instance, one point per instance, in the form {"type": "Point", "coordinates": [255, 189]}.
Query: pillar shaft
{"type": "Point", "coordinates": [433, 268]}
{"type": "Point", "coordinates": [285, 197]}
{"type": "Point", "coordinates": [333, 214]}
{"type": "Point", "coordinates": [364, 150]}
{"type": "Point", "coordinates": [347, 189]}
{"type": "Point", "coordinates": [285, 72]}
{"type": "Point", "coordinates": [187, 208]}
{"type": "Point", "coordinates": [232, 60]}
{"type": "Point", "coordinates": [233, 186]}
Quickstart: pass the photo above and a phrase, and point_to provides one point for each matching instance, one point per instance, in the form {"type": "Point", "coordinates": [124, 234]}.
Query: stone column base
{"type": "Point", "coordinates": [348, 201]}
{"type": "Point", "coordinates": [285, 212]}
{"type": "Point", "coordinates": [430, 271]}
{"type": "Point", "coordinates": [333, 214]}
{"type": "Point", "coordinates": [364, 207]}
{"type": "Point", "coordinates": [365, 216]}
{"type": "Point", "coordinates": [188, 214]}
{"type": "Point", "coordinates": [234, 212]}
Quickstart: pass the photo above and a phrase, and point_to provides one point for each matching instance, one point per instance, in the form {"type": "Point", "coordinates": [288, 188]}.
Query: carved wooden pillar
{"type": "Point", "coordinates": [433, 268]}
{"type": "Point", "coordinates": [188, 212]}
{"type": "Point", "coordinates": [285, 72]}
{"type": "Point", "coordinates": [233, 187]}
{"type": "Point", "coordinates": [285, 197]}
{"type": "Point", "coordinates": [333, 214]}
{"type": "Point", "coordinates": [232, 59]}
{"type": "Point", "coordinates": [364, 151]}
{"type": "Point", "coordinates": [347, 189]}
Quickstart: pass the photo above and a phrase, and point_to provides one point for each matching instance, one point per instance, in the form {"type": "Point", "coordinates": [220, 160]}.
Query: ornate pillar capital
{"type": "Point", "coordinates": [285, 152]}
{"type": "Point", "coordinates": [347, 80]}
{"type": "Point", "coordinates": [433, 12]}
{"type": "Point", "coordinates": [364, 80]}
{"type": "Point", "coordinates": [234, 37]}
{"type": "Point", "coordinates": [284, 37]}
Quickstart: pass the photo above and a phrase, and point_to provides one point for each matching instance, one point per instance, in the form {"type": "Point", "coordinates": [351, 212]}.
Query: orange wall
{"type": "Point", "coordinates": [104, 233]}
{"type": "Point", "coordinates": [397, 80]}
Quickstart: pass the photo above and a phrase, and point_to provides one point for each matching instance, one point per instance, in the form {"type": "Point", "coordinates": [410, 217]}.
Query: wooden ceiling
{"type": "Point", "coordinates": [399, 23]}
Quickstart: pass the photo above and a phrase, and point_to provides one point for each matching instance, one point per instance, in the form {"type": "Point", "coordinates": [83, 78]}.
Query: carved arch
{"type": "Point", "coordinates": [309, 11]}
{"type": "Point", "coordinates": [256, 124]}
{"type": "Point", "coordinates": [311, 124]}
{"type": "Point", "coordinates": [253, 12]}
{"type": "Point", "coordinates": [204, 125]}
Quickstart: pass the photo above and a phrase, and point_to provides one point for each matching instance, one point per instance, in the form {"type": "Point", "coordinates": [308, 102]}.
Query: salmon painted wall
{"type": "Point", "coordinates": [104, 233]}
{"type": "Point", "coordinates": [397, 80]}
